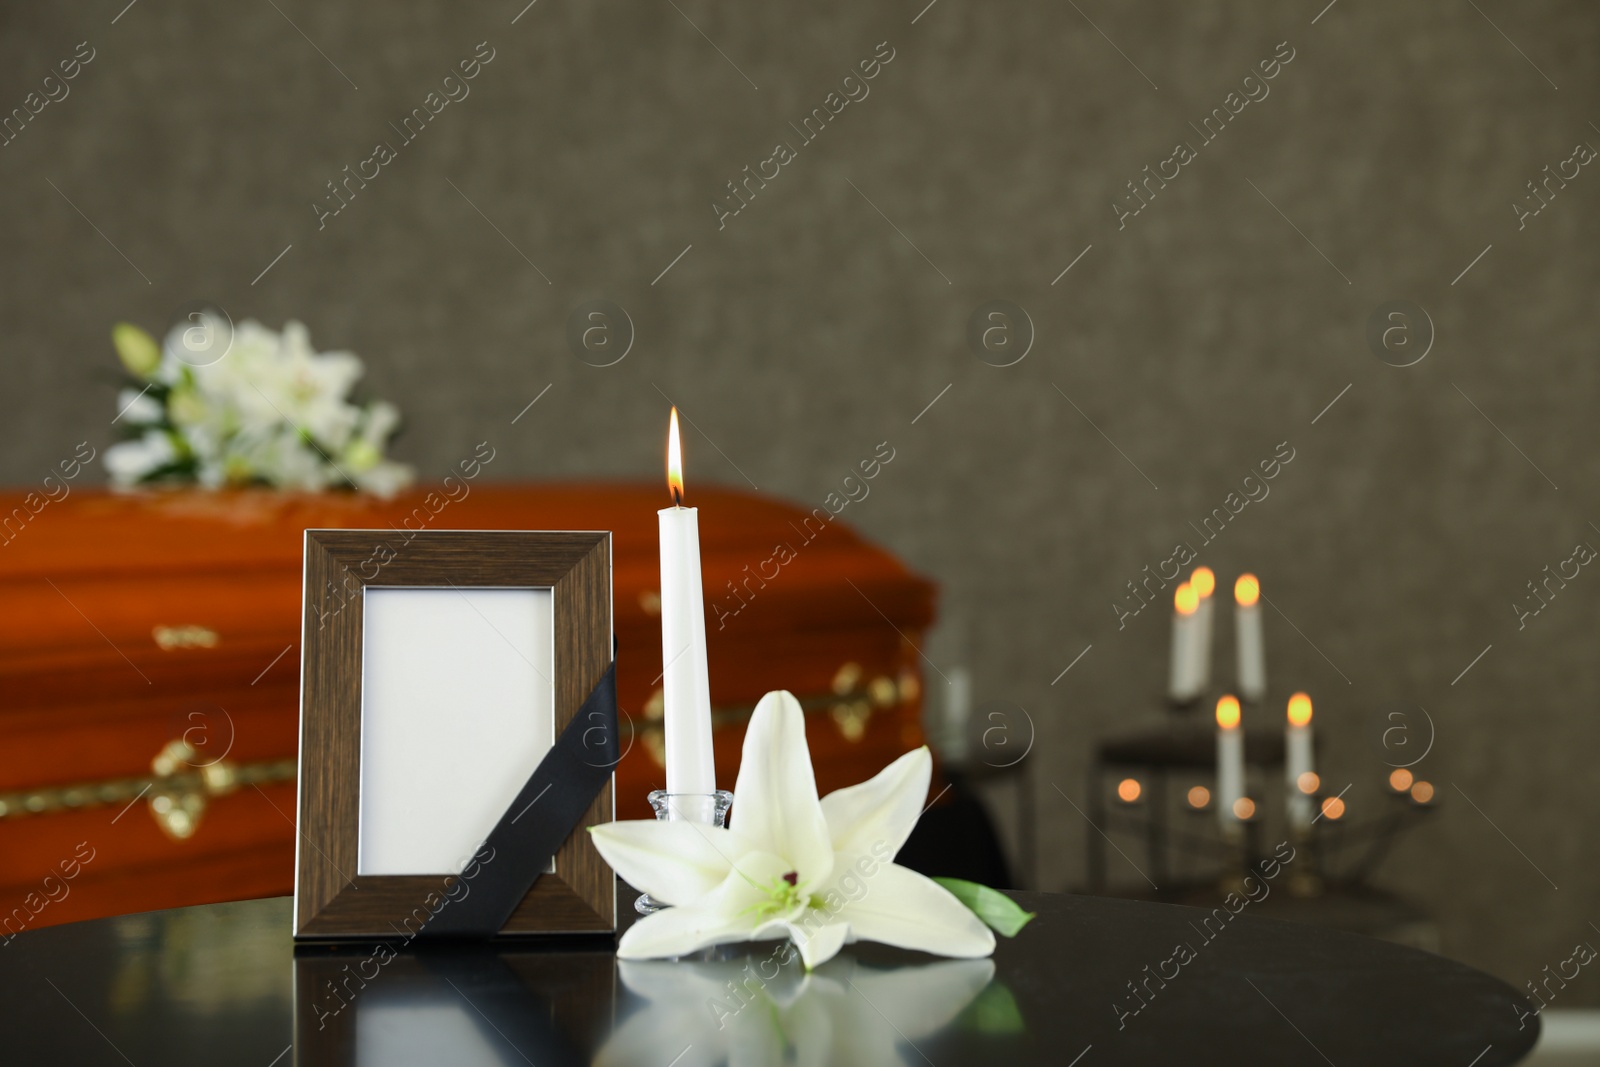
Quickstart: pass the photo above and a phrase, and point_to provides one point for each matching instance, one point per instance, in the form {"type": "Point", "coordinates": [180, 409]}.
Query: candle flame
{"type": "Point", "coordinates": [1308, 783]}
{"type": "Point", "coordinates": [1204, 581]}
{"type": "Point", "coordinates": [674, 460]}
{"type": "Point", "coordinates": [1333, 808]}
{"type": "Point", "coordinates": [1228, 712]}
{"type": "Point", "coordinates": [1299, 709]}
{"type": "Point", "coordinates": [1199, 797]}
{"type": "Point", "coordinates": [1400, 780]}
{"type": "Point", "coordinates": [1186, 600]}
{"type": "Point", "coordinates": [1246, 590]}
{"type": "Point", "coordinates": [1422, 792]}
{"type": "Point", "coordinates": [1244, 808]}
{"type": "Point", "coordinates": [1128, 790]}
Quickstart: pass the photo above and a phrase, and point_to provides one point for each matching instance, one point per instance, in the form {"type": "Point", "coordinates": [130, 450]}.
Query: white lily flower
{"type": "Point", "coordinates": [817, 871]}
{"type": "Point", "coordinates": [130, 461]}
{"type": "Point", "coordinates": [138, 407]}
{"type": "Point", "coordinates": [385, 479]}
{"type": "Point", "coordinates": [381, 419]}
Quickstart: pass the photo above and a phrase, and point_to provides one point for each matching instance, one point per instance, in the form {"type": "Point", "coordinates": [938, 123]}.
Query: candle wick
{"type": "Point", "coordinates": [677, 497]}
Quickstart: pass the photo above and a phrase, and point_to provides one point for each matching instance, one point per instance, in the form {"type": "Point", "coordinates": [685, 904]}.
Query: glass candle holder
{"type": "Point", "coordinates": [708, 808]}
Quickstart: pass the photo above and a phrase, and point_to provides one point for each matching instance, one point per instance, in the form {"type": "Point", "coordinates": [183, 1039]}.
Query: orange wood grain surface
{"type": "Point", "coordinates": [87, 694]}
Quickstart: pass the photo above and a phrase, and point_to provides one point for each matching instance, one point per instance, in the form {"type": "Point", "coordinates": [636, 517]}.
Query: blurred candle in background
{"type": "Point", "coordinates": [1247, 631]}
{"type": "Point", "coordinates": [1230, 759]}
{"type": "Point", "coordinates": [1297, 762]}
{"type": "Point", "coordinates": [954, 736]}
{"type": "Point", "coordinates": [686, 687]}
{"type": "Point", "coordinates": [1182, 683]}
{"type": "Point", "coordinates": [1204, 583]}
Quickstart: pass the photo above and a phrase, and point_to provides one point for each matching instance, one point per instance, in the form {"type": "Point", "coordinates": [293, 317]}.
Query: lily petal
{"type": "Point", "coordinates": [818, 944]}
{"type": "Point", "coordinates": [681, 930]}
{"type": "Point", "coordinates": [675, 862]}
{"type": "Point", "coordinates": [908, 910]}
{"type": "Point", "coordinates": [730, 912]}
{"type": "Point", "coordinates": [775, 798]}
{"type": "Point", "coordinates": [882, 810]}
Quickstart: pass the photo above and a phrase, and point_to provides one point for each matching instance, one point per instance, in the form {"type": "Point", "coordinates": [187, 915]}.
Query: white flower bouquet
{"type": "Point", "coordinates": [220, 406]}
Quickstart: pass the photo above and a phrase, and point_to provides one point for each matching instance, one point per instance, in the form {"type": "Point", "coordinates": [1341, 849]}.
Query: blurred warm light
{"type": "Point", "coordinates": [1299, 709]}
{"type": "Point", "coordinates": [674, 459]}
{"type": "Point", "coordinates": [1244, 808]}
{"type": "Point", "coordinates": [1203, 581]}
{"type": "Point", "coordinates": [1199, 796]}
{"type": "Point", "coordinates": [1228, 712]}
{"type": "Point", "coordinates": [1422, 792]}
{"type": "Point", "coordinates": [1333, 808]}
{"type": "Point", "coordinates": [1128, 790]}
{"type": "Point", "coordinates": [1246, 590]}
{"type": "Point", "coordinates": [1400, 780]}
{"type": "Point", "coordinates": [1308, 783]}
{"type": "Point", "coordinates": [1186, 600]}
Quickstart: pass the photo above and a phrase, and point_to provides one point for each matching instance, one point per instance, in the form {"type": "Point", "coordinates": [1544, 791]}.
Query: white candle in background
{"type": "Point", "coordinates": [1181, 681]}
{"type": "Point", "coordinates": [1230, 759]}
{"type": "Point", "coordinates": [1247, 629]}
{"type": "Point", "coordinates": [954, 729]}
{"type": "Point", "coordinates": [1297, 762]}
{"type": "Point", "coordinates": [1204, 583]}
{"type": "Point", "coordinates": [686, 687]}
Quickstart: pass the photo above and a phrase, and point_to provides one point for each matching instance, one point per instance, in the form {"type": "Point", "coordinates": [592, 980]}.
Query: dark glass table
{"type": "Point", "coordinates": [1092, 981]}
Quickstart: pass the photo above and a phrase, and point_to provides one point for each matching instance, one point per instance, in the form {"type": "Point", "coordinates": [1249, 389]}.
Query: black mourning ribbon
{"type": "Point", "coordinates": [543, 815]}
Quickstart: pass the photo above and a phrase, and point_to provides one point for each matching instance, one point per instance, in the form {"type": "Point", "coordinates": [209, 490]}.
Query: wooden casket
{"type": "Point", "coordinates": [149, 668]}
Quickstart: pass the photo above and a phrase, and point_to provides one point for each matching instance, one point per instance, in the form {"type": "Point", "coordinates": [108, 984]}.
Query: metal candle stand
{"type": "Point", "coordinates": [1183, 746]}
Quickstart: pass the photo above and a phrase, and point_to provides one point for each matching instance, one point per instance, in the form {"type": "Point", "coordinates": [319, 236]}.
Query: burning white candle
{"type": "Point", "coordinates": [1183, 684]}
{"type": "Point", "coordinates": [686, 687]}
{"type": "Point", "coordinates": [1297, 762]}
{"type": "Point", "coordinates": [1230, 760]}
{"type": "Point", "coordinates": [1247, 631]}
{"type": "Point", "coordinates": [1204, 583]}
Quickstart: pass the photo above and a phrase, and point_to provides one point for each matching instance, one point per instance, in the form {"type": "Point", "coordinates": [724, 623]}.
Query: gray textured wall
{"type": "Point", "coordinates": [1198, 337]}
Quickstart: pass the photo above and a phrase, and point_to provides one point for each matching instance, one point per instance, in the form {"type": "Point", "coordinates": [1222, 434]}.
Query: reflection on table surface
{"type": "Point", "coordinates": [753, 1005]}
{"type": "Point", "coordinates": [511, 1004]}
{"type": "Point", "coordinates": [225, 983]}
{"type": "Point", "coordinates": [843, 1012]}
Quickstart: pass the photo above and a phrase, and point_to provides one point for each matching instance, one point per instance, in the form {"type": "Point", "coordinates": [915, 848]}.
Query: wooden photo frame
{"type": "Point", "coordinates": [438, 667]}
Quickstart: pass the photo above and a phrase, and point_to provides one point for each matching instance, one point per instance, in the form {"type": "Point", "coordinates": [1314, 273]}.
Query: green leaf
{"type": "Point", "coordinates": [1000, 912]}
